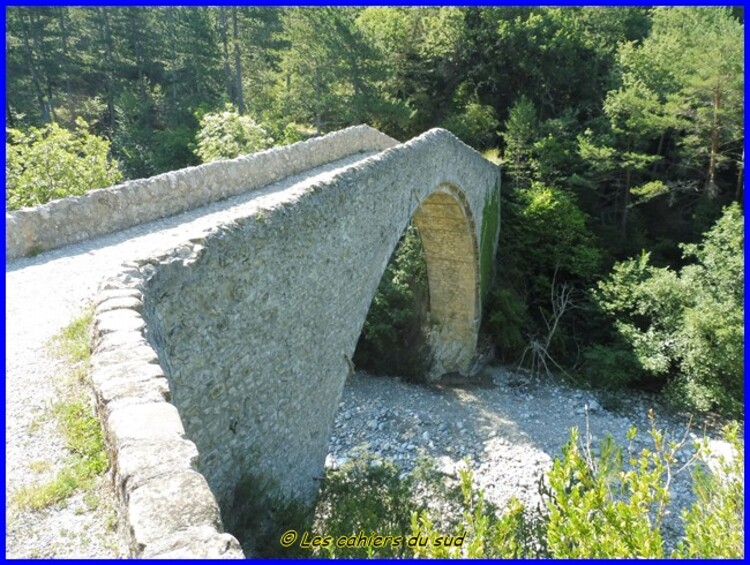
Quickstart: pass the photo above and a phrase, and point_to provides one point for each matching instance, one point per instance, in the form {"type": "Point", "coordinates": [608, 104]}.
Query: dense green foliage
{"type": "Point", "coordinates": [619, 130]}
{"type": "Point", "coordinates": [682, 328]}
{"type": "Point", "coordinates": [227, 135]}
{"type": "Point", "coordinates": [388, 509]}
{"type": "Point", "coordinates": [714, 525]}
{"type": "Point", "coordinates": [53, 162]}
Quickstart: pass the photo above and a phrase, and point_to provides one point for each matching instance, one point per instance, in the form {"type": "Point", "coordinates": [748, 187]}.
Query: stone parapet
{"type": "Point", "coordinates": [165, 506]}
{"type": "Point", "coordinates": [77, 218]}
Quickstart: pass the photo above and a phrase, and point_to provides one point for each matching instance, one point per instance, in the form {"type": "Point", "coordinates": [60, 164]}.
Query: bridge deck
{"type": "Point", "coordinates": [43, 294]}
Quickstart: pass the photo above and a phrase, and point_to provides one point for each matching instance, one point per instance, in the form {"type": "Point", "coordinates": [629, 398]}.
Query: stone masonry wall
{"type": "Point", "coordinates": [165, 506]}
{"type": "Point", "coordinates": [253, 327]}
{"type": "Point", "coordinates": [73, 219]}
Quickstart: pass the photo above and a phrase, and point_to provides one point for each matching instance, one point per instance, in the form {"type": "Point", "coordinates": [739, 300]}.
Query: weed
{"type": "Point", "coordinates": [40, 466]}
{"type": "Point", "coordinates": [259, 515]}
{"type": "Point", "coordinates": [77, 422]}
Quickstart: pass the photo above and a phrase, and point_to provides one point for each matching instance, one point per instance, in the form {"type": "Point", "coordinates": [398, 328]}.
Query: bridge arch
{"type": "Point", "coordinates": [448, 231]}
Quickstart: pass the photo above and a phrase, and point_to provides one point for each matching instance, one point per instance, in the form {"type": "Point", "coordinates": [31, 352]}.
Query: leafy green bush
{"type": "Point", "coordinates": [227, 134]}
{"type": "Point", "coordinates": [685, 329]}
{"type": "Point", "coordinates": [604, 501]}
{"type": "Point", "coordinates": [599, 510]}
{"type": "Point", "coordinates": [480, 532]}
{"type": "Point", "coordinates": [544, 242]}
{"type": "Point", "coordinates": [476, 125]}
{"type": "Point", "coordinates": [507, 319]}
{"type": "Point", "coordinates": [394, 339]}
{"type": "Point", "coordinates": [259, 515]}
{"type": "Point", "coordinates": [714, 524]}
{"type": "Point", "coordinates": [294, 132]}
{"type": "Point", "coordinates": [51, 162]}
{"type": "Point", "coordinates": [367, 495]}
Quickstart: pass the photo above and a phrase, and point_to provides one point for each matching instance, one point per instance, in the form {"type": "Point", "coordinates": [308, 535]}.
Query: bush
{"type": "Point", "coordinates": [227, 134]}
{"type": "Point", "coordinates": [507, 320]}
{"type": "Point", "coordinates": [544, 242]}
{"type": "Point", "coordinates": [714, 524]}
{"type": "Point", "coordinates": [51, 162]}
{"type": "Point", "coordinates": [685, 329]}
{"type": "Point", "coordinates": [476, 125]}
{"type": "Point", "coordinates": [367, 495]}
{"type": "Point", "coordinates": [597, 509]}
{"type": "Point", "coordinates": [258, 515]}
{"type": "Point", "coordinates": [394, 336]}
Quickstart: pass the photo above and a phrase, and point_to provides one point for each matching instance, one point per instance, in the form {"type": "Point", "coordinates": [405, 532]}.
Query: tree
{"type": "Point", "coordinates": [324, 75]}
{"type": "Point", "coordinates": [686, 80]}
{"type": "Point", "coordinates": [52, 162]}
{"type": "Point", "coordinates": [545, 246]}
{"type": "Point", "coordinates": [227, 134]}
{"type": "Point", "coordinates": [683, 329]}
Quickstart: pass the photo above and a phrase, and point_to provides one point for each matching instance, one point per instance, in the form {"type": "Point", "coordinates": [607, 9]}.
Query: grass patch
{"type": "Point", "coordinates": [40, 496]}
{"type": "Point", "coordinates": [76, 420]}
{"type": "Point", "coordinates": [40, 466]}
{"type": "Point", "coordinates": [73, 345]}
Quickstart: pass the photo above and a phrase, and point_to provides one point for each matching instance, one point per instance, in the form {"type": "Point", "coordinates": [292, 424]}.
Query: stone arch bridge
{"type": "Point", "coordinates": [221, 352]}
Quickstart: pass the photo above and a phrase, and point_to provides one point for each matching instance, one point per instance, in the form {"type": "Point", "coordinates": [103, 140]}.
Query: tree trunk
{"type": "Point", "coordinates": [740, 177]}
{"type": "Point", "coordinates": [228, 85]}
{"type": "Point", "coordinates": [172, 40]}
{"type": "Point", "coordinates": [237, 66]}
{"type": "Point", "coordinates": [9, 115]}
{"type": "Point", "coordinates": [712, 187]}
{"type": "Point", "coordinates": [626, 196]}
{"type": "Point", "coordinates": [66, 56]}
{"type": "Point", "coordinates": [108, 68]}
{"type": "Point", "coordinates": [135, 25]}
{"type": "Point", "coordinates": [43, 109]}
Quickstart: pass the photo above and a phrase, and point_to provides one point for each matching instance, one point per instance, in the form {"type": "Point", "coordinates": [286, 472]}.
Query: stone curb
{"type": "Point", "coordinates": [165, 506]}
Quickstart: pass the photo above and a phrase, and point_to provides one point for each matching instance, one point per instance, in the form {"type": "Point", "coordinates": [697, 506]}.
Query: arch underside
{"type": "Point", "coordinates": [446, 228]}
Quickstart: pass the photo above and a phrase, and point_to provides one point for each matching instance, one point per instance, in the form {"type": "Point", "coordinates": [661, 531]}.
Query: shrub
{"type": "Point", "coordinates": [227, 134]}
{"type": "Point", "coordinates": [51, 162]}
{"type": "Point", "coordinates": [714, 524]}
{"type": "Point", "coordinates": [367, 495]}
{"type": "Point", "coordinates": [605, 502]}
{"type": "Point", "coordinates": [480, 532]}
{"type": "Point", "coordinates": [597, 509]}
{"type": "Point", "coordinates": [507, 320]}
{"type": "Point", "coordinates": [544, 242]}
{"type": "Point", "coordinates": [258, 515]}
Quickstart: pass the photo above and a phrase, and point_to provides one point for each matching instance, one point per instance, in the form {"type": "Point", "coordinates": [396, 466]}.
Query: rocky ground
{"type": "Point", "coordinates": [509, 426]}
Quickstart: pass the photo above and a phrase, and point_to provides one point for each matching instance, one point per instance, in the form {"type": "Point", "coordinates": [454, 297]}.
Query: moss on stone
{"type": "Point", "coordinates": [490, 229]}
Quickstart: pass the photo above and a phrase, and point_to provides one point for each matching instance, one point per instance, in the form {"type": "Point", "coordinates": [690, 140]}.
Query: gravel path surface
{"type": "Point", "coordinates": [43, 295]}
{"type": "Point", "coordinates": [510, 427]}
